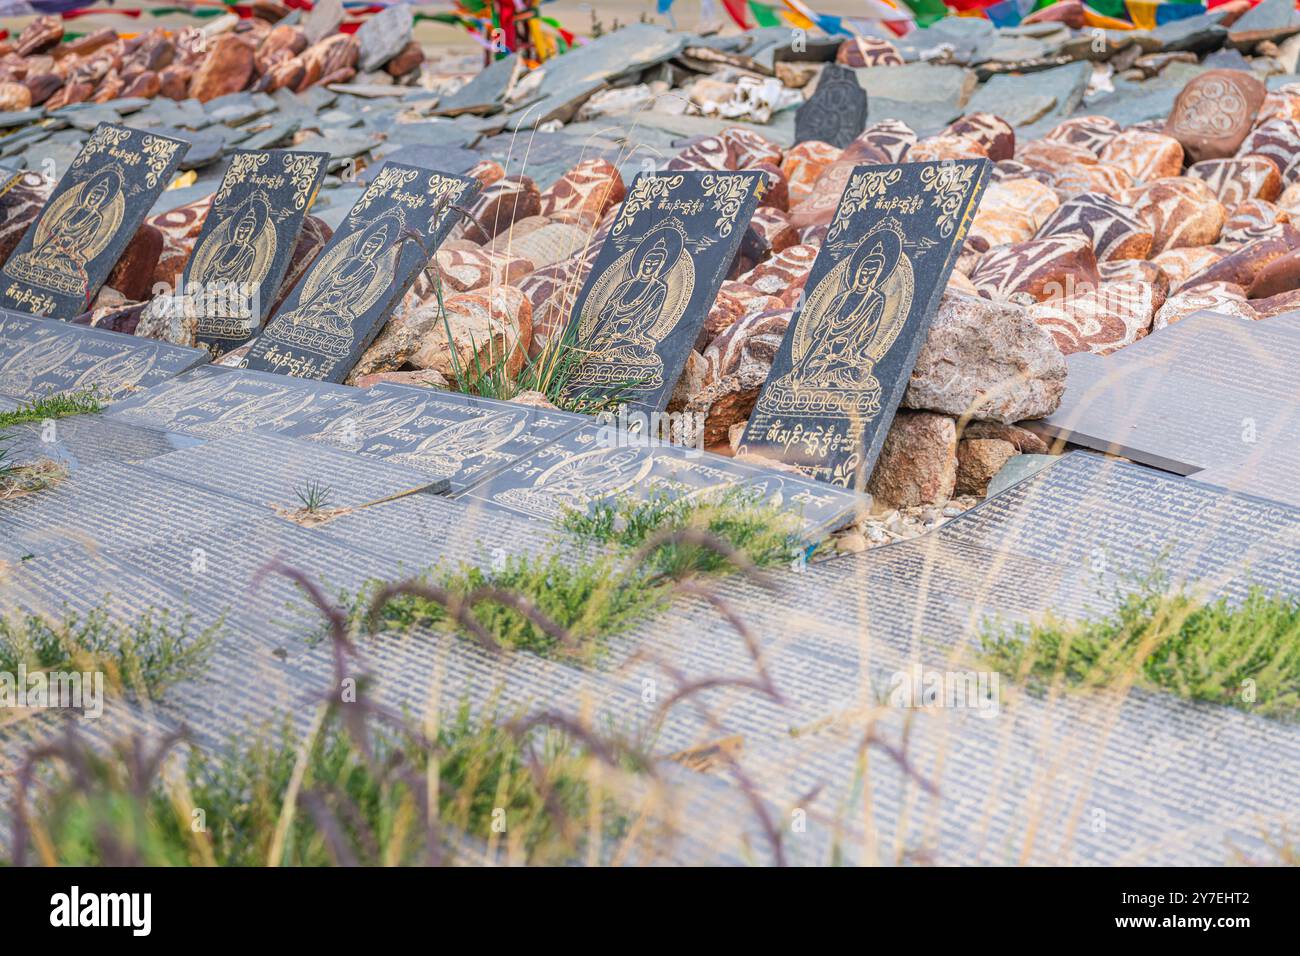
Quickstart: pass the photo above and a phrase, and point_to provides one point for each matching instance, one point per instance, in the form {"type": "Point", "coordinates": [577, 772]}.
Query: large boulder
{"type": "Point", "coordinates": [986, 360]}
{"type": "Point", "coordinates": [487, 328]}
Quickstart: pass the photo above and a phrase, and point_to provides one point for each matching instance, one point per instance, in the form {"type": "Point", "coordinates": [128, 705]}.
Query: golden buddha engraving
{"type": "Point", "coordinates": [444, 453]}
{"type": "Point", "coordinates": [78, 226]}
{"type": "Point", "coordinates": [116, 373]}
{"type": "Point", "coordinates": [237, 255]}
{"type": "Point", "coordinates": [632, 306]}
{"type": "Point", "coordinates": [599, 473]}
{"type": "Point", "coordinates": [164, 405]}
{"type": "Point", "coordinates": [849, 321]}
{"type": "Point", "coordinates": [350, 431]}
{"type": "Point", "coordinates": [347, 281]}
{"type": "Point", "coordinates": [27, 366]}
{"type": "Point", "coordinates": [269, 408]}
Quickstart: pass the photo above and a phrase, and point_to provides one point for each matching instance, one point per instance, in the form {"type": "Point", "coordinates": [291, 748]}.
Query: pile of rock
{"type": "Point", "coordinates": [258, 53]}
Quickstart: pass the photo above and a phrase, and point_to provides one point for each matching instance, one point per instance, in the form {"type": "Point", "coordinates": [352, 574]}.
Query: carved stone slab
{"type": "Point", "coordinates": [277, 473]}
{"type": "Point", "coordinates": [1210, 393]}
{"type": "Point", "coordinates": [836, 113]}
{"type": "Point", "coordinates": [247, 241]}
{"type": "Point", "coordinates": [87, 439]}
{"type": "Point", "coordinates": [344, 299]}
{"type": "Point", "coordinates": [668, 251]}
{"type": "Point", "coordinates": [460, 438]}
{"type": "Point", "coordinates": [40, 357]}
{"type": "Point", "coordinates": [214, 401]}
{"type": "Point", "coordinates": [66, 255]}
{"type": "Point", "coordinates": [603, 463]}
{"type": "Point", "coordinates": [844, 363]}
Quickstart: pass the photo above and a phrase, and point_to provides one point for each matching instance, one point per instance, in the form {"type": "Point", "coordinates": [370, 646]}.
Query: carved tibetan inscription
{"type": "Point", "coordinates": [241, 255]}
{"type": "Point", "coordinates": [845, 360]}
{"type": "Point", "coordinates": [344, 299]}
{"type": "Point", "coordinates": [94, 212]}
{"type": "Point", "coordinates": [655, 278]}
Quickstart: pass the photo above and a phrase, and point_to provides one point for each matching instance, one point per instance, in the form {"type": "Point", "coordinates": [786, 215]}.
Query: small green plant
{"type": "Point", "coordinates": [63, 405]}
{"type": "Point", "coordinates": [735, 527]}
{"type": "Point", "coordinates": [314, 496]}
{"type": "Point", "coordinates": [348, 797]}
{"type": "Point", "coordinates": [142, 659]}
{"type": "Point", "coordinates": [1244, 654]}
{"type": "Point", "coordinates": [548, 605]}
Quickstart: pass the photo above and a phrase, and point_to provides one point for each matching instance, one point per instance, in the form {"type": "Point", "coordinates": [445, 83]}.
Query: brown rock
{"type": "Point", "coordinates": [146, 85]}
{"type": "Point", "coordinates": [1243, 265]}
{"type": "Point", "coordinates": [133, 273]}
{"type": "Point", "coordinates": [420, 378]}
{"type": "Point", "coordinates": [43, 33]}
{"type": "Point", "coordinates": [334, 53]}
{"type": "Point", "coordinates": [179, 229]}
{"type": "Point", "coordinates": [1041, 268]}
{"type": "Point", "coordinates": [72, 91]}
{"type": "Point", "coordinates": [891, 138]}
{"type": "Point", "coordinates": [86, 45]}
{"type": "Point", "coordinates": [858, 52]}
{"type": "Point", "coordinates": [407, 60]}
{"type": "Point", "coordinates": [42, 86]}
{"type": "Point", "coordinates": [227, 68]}
{"type": "Point", "coordinates": [288, 74]}
{"type": "Point", "coordinates": [1090, 132]}
{"type": "Point", "coordinates": [14, 97]}
{"type": "Point", "coordinates": [1115, 230]}
{"type": "Point", "coordinates": [1145, 156]}
{"type": "Point", "coordinates": [110, 88]}
{"type": "Point", "coordinates": [1221, 297]}
{"type": "Point", "coordinates": [1099, 320]}
{"type": "Point", "coordinates": [1181, 211]}
{"type": "Point", "coordinates": [917, 463]}
{"type": "Point", "coordinates": [551, 293]}
{"type": "Point", "coordinates": [978, 460]}
{"type": "Point", "coordinates": [774, 226]}
{"type": "Point", "coordinates": [1022, 440]}
{"type": "Point", "coordinates": [1053, 154]}
{"type": "Point", "coordinates": [1181, 264]}
{"type": "Point", "coordinates": [1076, 178]}
{"type": "Point", "coordinates": [803, 166]}
{"type": "Point", "coordinates": [784, 274]}
{"type": "Point", "coordinates": [737, 363]}
{"type": "Point", "coordinates": [584, 194]}
{"type": "Point", "coordinates": [282, 43]}
{"type": "Point", "coordinates": [1214, 113]}
{"type": "Point", "coordinates": [1253, 219]}
{"type": "Point", "coordinates": [501, 204]}
{"type": "Point", "coordinates": [819, 207]}
{"type": "Point", "coordinates": [487, 328]}
{"type": "Point", "coordinates": [947, 147]}
{"type": "Point", "coordinates": [996, 135]}
{"type": "Point", "coordinates": [1276, 304]}
{"type": "Point", "coordinates": [1278, 141]}
{"type": "Point", "coordinates": [735, 302]}
{"type": "Point", "coordinates": [1280, 276]}
{"type": "Point", "coordinates": [1236, 180]}
{"type": "Point", "coordinates": [747, 149]}
{"type": "Point", "coordinates": [19, 207]}
{"type": "Point", "coordinates": [707, 152]}
{"type": "Point", "coordinates": [776, 193]}
{"type": "Point", "coordinates": [174, 82]}
{"type": "Point", "coordinates": [1137, 270]}
{"type": "Point", "coordinates": [311, 241]}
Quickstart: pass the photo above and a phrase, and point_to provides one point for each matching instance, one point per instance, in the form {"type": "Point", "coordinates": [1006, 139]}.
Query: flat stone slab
{"type": "Point", "coordinates": [215, 401]}
{"type": "Point", "coordinates": [1209, 392]}
{"type": "Point", "coordinates": [600, 464]}
{"type": "Point", "coordinates": [40, 357]}
{"type": "Point", "coordinates": [460, 439]}
{"type": "Point", "coordinates": [110, 504]}
{"type": "Point", "coordinates": [87, 439]}
{"type": "Point", "coordinates": [272, 472]}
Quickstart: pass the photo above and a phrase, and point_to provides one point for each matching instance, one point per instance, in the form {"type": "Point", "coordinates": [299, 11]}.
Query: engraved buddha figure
{"type": "Point", "coordinates": [233, 261]}
{"type": "Point", "coordinates": [80, 224]}
{"type": "Point", "coordinates": [839, 350]}
{"type": "Point", "coordinates": [623, 322]}
{"type": "Point", "coordinates": [344, 285]}
{"type": "Point", "coordinates": [443, 453]}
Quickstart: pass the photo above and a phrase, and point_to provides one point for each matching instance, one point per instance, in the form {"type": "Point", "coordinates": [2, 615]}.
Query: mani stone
{"type": "Point", "coordinates": [655, 277]}
{"type": "Point", "coordinates": [836, 113]}
{"type": "Point", "coordinates": [345, 296]}
{"type": "Point", "coordinates": [246, 244]}
{"type": "Point", "coordinates": [1237, 180]}
{"type": "Point", "coordinates": [1115, 230]}
{"type": "Point", "coordinates": [383, 36]}
{"type": "Point", "coordinates": [91, 216]}
{"type": "Point", "coordinates": [849, 351]}
{"type": "Point", "coordinates": [1215, 112]}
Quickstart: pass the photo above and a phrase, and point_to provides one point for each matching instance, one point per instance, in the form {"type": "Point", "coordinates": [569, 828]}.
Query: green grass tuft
{"type": "Point", "coordinates": [63, 405]}
{"type": "Point", "coordinates": [1245, 655]}
{"type": "Point", "coordinates": [143, 659]}
{"type": "Point", "coordinates": [351, 807]}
